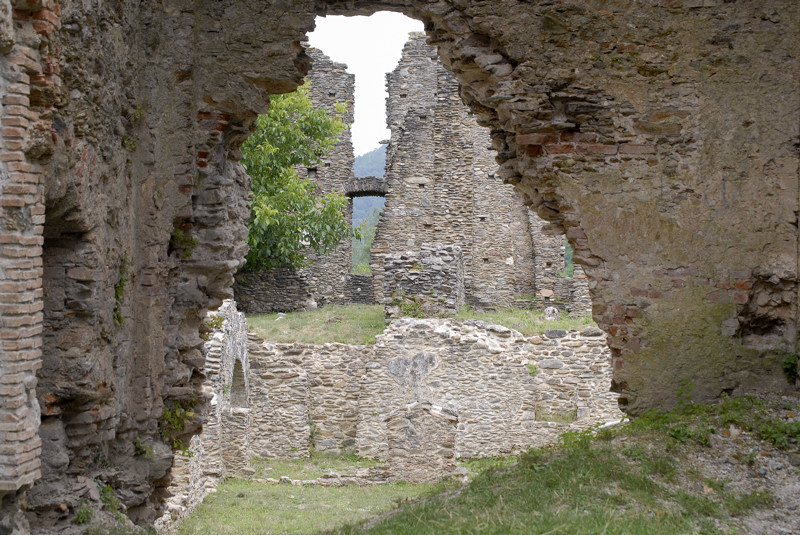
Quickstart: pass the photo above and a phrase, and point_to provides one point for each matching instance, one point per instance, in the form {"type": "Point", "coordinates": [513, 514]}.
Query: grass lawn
{"type": "Point", "coordinates": [528, 322]}
{"type": "Point", "coordinates": [360, 324]}
{"type": "Point", "coordinates": [639, 479]}
{"type": "Point", "coordinates": [319, 464]}
{"type": "Point", "coordinates": [350, 324]}
{"type": "Point", "coordinates": [642, 478]}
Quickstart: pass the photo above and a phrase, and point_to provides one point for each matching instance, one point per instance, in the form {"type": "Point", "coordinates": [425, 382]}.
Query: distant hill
{"type": "Point", "coordinates": [370, 164]}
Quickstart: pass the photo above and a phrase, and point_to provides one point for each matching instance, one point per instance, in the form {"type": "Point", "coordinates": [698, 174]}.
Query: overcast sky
{"type": "Point", "coordinates": [370, 46]}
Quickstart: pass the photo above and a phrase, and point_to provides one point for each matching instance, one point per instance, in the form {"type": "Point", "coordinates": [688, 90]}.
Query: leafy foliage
{"type": "Point", "coordinates": [286, 216]}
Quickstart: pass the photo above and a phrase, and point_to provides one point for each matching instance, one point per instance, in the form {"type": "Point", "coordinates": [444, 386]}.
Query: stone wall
{"type": "Point", "coordinates": [442, 188]}
{"type": "Point", "coordinates": [472, 380]}
{"type": "Point", "coordinates": [223, 448]}
{"type": "Point", "coordinates": [307, 397]}
{"type": "Point", "coordinates": [426, 282]}
{"type": "Point", "coordinates": [661, 138]}
{"type": "Point", "coordinates": [478, 374]}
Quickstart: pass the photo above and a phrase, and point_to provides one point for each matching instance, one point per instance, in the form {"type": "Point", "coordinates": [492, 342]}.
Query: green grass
{"type": "Point", "coordinates": [319, 464]}
{"type": "Point", "coordinates": [360, 324]}
{"type": "Point", "coordinates": [636, 479]}
{"type": "Point", "coordinates": [528, 322]}
{"type": "Point", "coordinates": [241, 506]}
{"type": "Point", "coordinates": [351, 324]}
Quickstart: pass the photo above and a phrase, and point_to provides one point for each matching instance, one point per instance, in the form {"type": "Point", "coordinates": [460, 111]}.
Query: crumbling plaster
{"type": "Point", "coordinates": [662, 138]}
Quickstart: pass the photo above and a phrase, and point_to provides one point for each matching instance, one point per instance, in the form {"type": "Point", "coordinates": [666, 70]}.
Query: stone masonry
{"type": "Point", "coordinates": [442, 188]}
{"type": "Point", "coordinates": [660, 137]}
{"type": "Point", "coordinates": [500, 391]}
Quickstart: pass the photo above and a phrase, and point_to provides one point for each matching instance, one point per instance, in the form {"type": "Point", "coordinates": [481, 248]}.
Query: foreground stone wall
{"type": "Point", "coordinates": [661, 138]}
{"type": "Point", "coordinates": [490, 389]}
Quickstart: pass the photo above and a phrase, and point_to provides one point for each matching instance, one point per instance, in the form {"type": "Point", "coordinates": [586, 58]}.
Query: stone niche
{"type": "Point", "coordinates": [661, 138]}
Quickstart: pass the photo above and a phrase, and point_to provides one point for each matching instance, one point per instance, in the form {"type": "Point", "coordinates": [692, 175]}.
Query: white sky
{"type": "Point", "coordinates": [371, 47]}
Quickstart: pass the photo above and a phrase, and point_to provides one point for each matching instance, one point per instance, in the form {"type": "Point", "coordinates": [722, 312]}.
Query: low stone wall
{"type": "Point", "coordinates": [498, 391]}
{"type": "Point", "coordinates": [430, 280]}
{"type": "Point", "coordinates": [305, 396]}
{"type": "Point", "coordinates": [429, 391]}
{"type": "Point", "coordinates": [279, 290]}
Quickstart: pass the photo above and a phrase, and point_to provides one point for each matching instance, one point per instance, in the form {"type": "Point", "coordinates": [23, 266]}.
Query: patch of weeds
{"type": "Point", "coordinates": [417, 267]}
{"type": "Point", "coordinates": [212, 323]}
{"type": "Point", "coordinates": [138, 113]}
{"type": "Point", "coordinates": [130, 143]}
{"type": "Point", "coordinates": [790, 368]}
{"type": "Point", "coordinates": [779, 433]}
{"type": "Point", "coordinates": [173, 423]}
{"type": "Point", "coordinates": [142, 449]}
{"type": "Point", "coordinates": [119, 290]}
{"type": "Point", "coordinates": [111, 502]}
{"type": "Point", "coordinates": [562, 417]}
{"type": "Point", "coordinates": [83, 514]}
{"type": "Point", "coordinates": [183, 243]}
{"type": "Point", "coordinates": [744, 503]}
{"type": "Point", "coordinates": [533, 369]}
{"type": "Point", "coordinates": [409, 305]}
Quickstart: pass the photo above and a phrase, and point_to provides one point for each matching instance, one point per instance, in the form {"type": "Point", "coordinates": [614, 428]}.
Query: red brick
{"type": "Point", "coordinates": [27, 177]}
{"type": "Point", "coordinates": [538, 138]}
{"type": "Point", "coordinates": [12, 156]}
{"type": "Point", "coordinates": [534, 150]}
{"type": "Point", "coordinates": [20, 189]}
{"type": "Point", "coordinates": [743, 285]}
{"type": "Point", "coordinates": [21, 111]}
{"type": "Point", "coordinates": [632, 148]}
{"type": "Point", "coordinates": [43, 27]}
{"type": "Point", "coordinates": [24, 167]}
{"type": "Point", "coordinates": [559, 149]}
{"type": "Point", "coordinates": [578, 137]}
{"type": "Point", "coordinates": [596, 148]}
{"type": "Point", "coordinates": [638, 292]}
{"type": "Point", "coordinates": [19, 89]}
{"type": "Point", "coordinates": [47, 15]}
{"type": "Point", "coordinates": [30, 66]}
{"type": "Point", "coordinates": [740, 297]}
{"type": "Point", "coordinates": [15, 202]}
{"type": "Point", "coordinates": [13, 131]}
{"type": "Point", "coordinates": [717, 296]}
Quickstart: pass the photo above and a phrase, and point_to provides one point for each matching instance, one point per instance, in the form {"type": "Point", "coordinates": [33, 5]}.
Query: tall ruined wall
{"type": "Point", "coordinates": [661, 137]}
{"type": "Point", "coordinates": [325, 279]}
{"type": "Point", "coordinates": [443, 188]}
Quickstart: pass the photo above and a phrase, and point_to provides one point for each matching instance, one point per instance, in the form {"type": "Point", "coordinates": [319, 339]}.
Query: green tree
{"type": "Point", "coordinates": [287, 217]}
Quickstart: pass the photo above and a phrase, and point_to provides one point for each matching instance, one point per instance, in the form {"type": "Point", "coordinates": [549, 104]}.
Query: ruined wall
{"type": "Point", "coordinates": [223, 448]}
{"type": "Point", "coordinates": [662, 138]}
{"type": "Point", "coordinates": [307, 397]}
{"type": "Point", "coordinates": [478, 374]}
{"type": "Point", "coordinates": [427, 282]}
{"type": "Point", "coordinates": [442, 188]}
{"type": "Point", "coordinates": [325, 280]}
